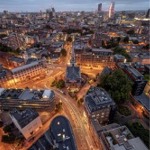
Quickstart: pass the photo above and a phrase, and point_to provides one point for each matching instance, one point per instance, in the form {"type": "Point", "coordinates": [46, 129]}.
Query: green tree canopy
{"type": "Point", "coordinates": [118, 85]}
{"type": "Point", "coordinates": [131, 32]}
{"type": "Point", "coordinates": [64, 52]}
{"type": "Point", "coordinates": [147, 77]}
{"type": "Point", "coordinates": [60, 84]}
{"type": "Point", "coordinates": [135, 42]}
{"type": "Point", "coordinates": [5, 48]}
{"type": "Point", "coordinates": [126, 39]}
{"type": "Point", "coordinates": [118, 39]}
{"type": "Point", "coordinates": [122, 51]}
{"type": "Point", "coordinates": [69, 39]}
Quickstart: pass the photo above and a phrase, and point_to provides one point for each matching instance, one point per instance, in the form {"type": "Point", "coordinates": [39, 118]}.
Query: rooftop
{"type": "Point", "coordinates": [59, 131]}
{"type": "Point", "coordinates": [144, 100]}
{"type": "Point", "coordinates": [97, 98]}
{"type": "Point", "coordinates": [62, 132]}
{"type": "Point", "coordinates": [17, 59]}
{"type": "Point", "coordinates": [26, 94]}
{"type": "Point", "coordinates": [118, 56]}
{"type": "Point", "coordinates": [25, 67]}
{"type": "Point", "coordinates": [73, 73]}
{"type": "Point", "coordinates": [24, 117]}
{"type": "Point", "coordinates": [120, 138]}
{"type": "Point", "coordinates": [132, 71]}
{"type": "Point", "coordinates": [101, 50]}
{"type": "Point", "coordinates": [106, 71]}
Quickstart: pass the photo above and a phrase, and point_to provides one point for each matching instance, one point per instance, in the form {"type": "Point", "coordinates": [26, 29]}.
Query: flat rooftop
{"type": "Point", "coordinates": [24, 117]}
{"type": "Point", "coordinates": [120, 138]}
{"type": "Point", "coordinates": [101, 50]}
{"type": "Point", "coordinates": [26, 94]}
{"type": "Point", "coordinates": [132, 71]}
{"type": "Point", "coordinates": [144, 100]}
{"type": "Point", "coordinates": [97, 98]}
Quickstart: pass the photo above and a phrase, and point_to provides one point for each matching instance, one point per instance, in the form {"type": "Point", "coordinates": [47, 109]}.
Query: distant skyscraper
{"type": "Point", "coordinates": [111, 9]}
{"type": "Point", "coordinates": [50, 13]}
{"type": "Point", "coordinates": [53, 9]}
{"type": "Point", "coordinates": [148, 13]}
{"type": "Point", "coordinates": [100, 7]}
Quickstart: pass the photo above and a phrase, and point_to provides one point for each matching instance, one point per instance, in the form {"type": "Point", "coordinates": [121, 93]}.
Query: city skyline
{"type": "Point", "coordinates": [73, 5]}
{"type": "Point", "coordinates": [74, 75]}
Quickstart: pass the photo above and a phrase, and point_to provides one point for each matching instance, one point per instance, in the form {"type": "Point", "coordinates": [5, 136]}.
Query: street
{"type": "Point", "coordinates": [77, 116]}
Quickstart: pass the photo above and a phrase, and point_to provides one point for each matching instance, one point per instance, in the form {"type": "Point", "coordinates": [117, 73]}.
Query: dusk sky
{"type": "Point", "coordinates": [73, 5]}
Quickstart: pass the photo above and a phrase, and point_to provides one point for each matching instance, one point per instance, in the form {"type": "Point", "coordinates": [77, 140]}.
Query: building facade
{"type": "Point", "coordinates": [28, 122]}
{"type": "Point", "coordinates": [139, 82]}
{"type": "Point", "coordinates": [94, 57]}
{"type": "Point", "coordinates": [28, 71]}
{"type": "Point", "coordinates": [27, 98]}
{"type": "Point", "coordinates": [99, 105]}
{"type": "Point", "coordinates": [5, 76]}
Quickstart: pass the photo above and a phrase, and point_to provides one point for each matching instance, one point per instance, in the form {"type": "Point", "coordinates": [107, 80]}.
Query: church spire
{"type": "Point", "coordinates": [72, 60]}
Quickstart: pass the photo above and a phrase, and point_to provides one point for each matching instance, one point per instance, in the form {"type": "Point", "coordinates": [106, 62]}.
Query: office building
{"type": "Point", "coordinates": [139, 82]}
{"type": "Point", "coordinates": [111, 10]}
{"type": "Point", "coordinates": [5, 76]}
{"type": "Point", "coordinates": [119, 58]}
{"type": "Point", "coordinates": [94, 57]}
{"type": "Point", "coordinates": [59, 136]}
{"type": "Point", "coordinates": [28, 71]}
{"type": "Point", "coordinates": [27, 98]}
{"type": "Point", "coordinates": [143, 57]}
{"type": "Point", "coordinates": [28, 122]}
{"type": "Point", "coordinates": [100, 8]}
{"type": "Point", "coordinates": [99, 105]}
{"type": "Point", "coordinates": [115, 137]}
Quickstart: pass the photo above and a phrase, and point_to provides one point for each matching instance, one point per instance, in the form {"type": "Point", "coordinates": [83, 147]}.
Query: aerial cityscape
{"type": "Point", "coordinates": [74, 75]}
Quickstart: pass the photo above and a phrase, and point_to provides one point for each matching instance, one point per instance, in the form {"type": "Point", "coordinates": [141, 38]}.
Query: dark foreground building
{"type": "Point", "coordinates": [136, 77]}
{"type": "Point", "coordinates": [59, 136]}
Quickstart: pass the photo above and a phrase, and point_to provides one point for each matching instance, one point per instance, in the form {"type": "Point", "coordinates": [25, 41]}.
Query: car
{"type": "Point", "coordinates": [62, 92]}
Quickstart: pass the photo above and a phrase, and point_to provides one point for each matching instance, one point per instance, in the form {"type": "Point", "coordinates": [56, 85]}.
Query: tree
{"type": "Point", "coordinates": [146, 46]}
{"type": "Point", "coordinates": [126, 39]}
{"type": "Point", "coordinates": [103, 44]}
{"type": "Point", "coordinates": [60, 84]}
{"type": "Point", "coordinates": [69, 39]}
{"type": "Point", "coordinates": [139, 131]}
{"type": "Point", "coordinates": [118, 39]}
{"type": "Point", "coordinates": [7, 129]}
{"type": "Point", "coordinates": [118, 85]}
{"type": "Point", "coordinates": [131, 32]}
{"type": "Point", "coordinates": [135, 42]}
{"type": "Point", "coordinates": [109, 44]}
{"type": "Point", "coordinates": [64, 52]}
{"type": "Point", "coordinates": [121, 51]}
{"type": "Point", "coordinates": [59, 106]}
{"type": "Point", "coordinates": [147, 77]}
{"type": "Point", "coordinates": [80, 101]}
{"type": "Point", "coordinates": [10, 138]}
{"type": "Point", "coordinates": [5, 48]}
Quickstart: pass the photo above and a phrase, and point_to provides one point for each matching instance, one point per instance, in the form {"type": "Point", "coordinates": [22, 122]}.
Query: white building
{"type": "Point", "coordinates": [28, 122]}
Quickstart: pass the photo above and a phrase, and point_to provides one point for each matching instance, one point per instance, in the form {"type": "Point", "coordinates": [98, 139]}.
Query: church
{"type": "Point", "coordinates": [73, 77]}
